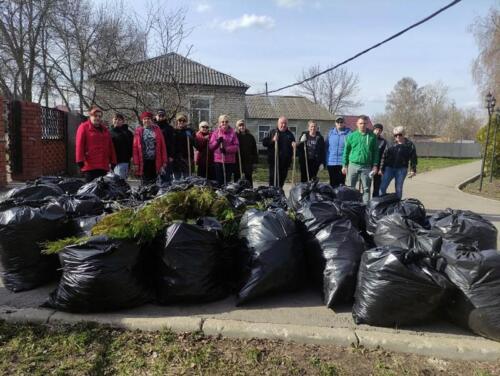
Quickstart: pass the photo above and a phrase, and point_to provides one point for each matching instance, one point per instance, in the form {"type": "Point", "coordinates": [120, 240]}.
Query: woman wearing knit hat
{"type": "Point", "coordinates": [149, 150]}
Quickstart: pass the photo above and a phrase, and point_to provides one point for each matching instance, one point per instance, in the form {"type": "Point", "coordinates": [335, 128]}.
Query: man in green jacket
{"type": "Point", "coordinates": [361, 157]}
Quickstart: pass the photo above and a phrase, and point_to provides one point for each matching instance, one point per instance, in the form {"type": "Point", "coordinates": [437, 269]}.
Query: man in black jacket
{"type": "Point", "coordinates": [285, 140]}
{"type": "Point", "coordinates": [168, 134]}
{"type": "Point", "coordinates": [122, 141]}
{"type": "Point", "coordinates": [247, 152]}
{"type": "Point", "coordinates": [382, 144]}
{"type": "Point", "coordinates": [183, 148]}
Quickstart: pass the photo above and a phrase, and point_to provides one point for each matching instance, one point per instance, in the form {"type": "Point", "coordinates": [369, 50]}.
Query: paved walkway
{"type": "Point", "coordinates": [299, 316]}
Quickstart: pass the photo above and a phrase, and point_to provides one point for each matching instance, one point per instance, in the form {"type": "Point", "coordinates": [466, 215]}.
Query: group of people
{"type": "Point", "coordinates": [161, 151]}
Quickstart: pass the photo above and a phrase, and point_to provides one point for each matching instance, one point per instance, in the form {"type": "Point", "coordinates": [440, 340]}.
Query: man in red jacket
{"type": "Point", "coordinates": [95, 153]}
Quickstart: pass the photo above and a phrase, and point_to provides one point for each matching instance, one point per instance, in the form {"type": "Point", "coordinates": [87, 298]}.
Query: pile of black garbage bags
{"type": "Point", "coordinates": [395, 263]}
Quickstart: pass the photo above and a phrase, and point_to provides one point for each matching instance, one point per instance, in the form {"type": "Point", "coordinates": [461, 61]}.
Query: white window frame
{"type": "Point", "coordinates": [265, 132]}
{"type": "Point", "coordinates": [210, 105]}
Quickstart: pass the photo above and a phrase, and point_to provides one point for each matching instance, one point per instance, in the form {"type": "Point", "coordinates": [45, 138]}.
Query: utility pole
{"type": "Point", "coordinates": [493, 157]}
{"type": "Point", "coordinates": [490, 105]}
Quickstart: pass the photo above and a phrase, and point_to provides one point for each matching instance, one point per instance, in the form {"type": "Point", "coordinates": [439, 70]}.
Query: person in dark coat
{"type": "Point", "coordinates": [312, 142]}
{"type": "Point", "coordinates": [183, 148]}
{"type": "Point", "coordinates": [382, 144]}
{"type": "Point", "coordinates": [204, 157]}
{"type": "Point", "coordinates": [168, 135]}
{"type": "Point", "coordinates": [395, 162]}
{"type": "Point", "coordinates": [285, 140]}
{"type": "Point", "coordinates": [122, 141]}
{"type": "Point", "coordinates": [247, 153]}
{"type": "Point", "coordinates": [95, 153]}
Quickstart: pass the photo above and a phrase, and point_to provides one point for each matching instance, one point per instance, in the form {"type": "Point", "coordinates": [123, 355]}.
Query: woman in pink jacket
{"type": "Point", "coordinates": [149, 150]}
{"type": "Point", "coordinates": [224, 143]}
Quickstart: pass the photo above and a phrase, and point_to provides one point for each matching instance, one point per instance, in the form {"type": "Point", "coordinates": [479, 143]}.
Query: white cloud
{"type": "Point", "coordinates": [203, 7]}
{"type": "Point", "coordinates": [246, 21]}
{"type": "Point", "coordinates": [289, 3]}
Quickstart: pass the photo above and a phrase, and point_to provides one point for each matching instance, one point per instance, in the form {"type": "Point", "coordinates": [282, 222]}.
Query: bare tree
{"type": "Point", "coordinates": [486, 67]}
{"type": "Point", "coordinates": [336, 90]}
{"type": "Point", "coordinates": [21, 26]}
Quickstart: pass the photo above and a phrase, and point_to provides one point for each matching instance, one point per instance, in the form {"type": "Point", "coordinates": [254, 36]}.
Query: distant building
{"type": "Point", "coordinates": [262, 113]}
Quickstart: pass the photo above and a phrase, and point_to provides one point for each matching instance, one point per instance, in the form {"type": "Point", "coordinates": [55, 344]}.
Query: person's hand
{"type": "Point", "coordinates": [220, 140]}
{"type": "Point", "coordinates": [80, 165]}
{"type": "Point", "coordinates": [170, 160]}
{"type": "Point", "coordinates": [412, 174]}
{"type": "Point", "coordinates": [275, 137]}
{"type": "Point", "coordinates": [380, 172]}
{"type": "Point", "coordinates": [294, 144]}
{"type": "Point", "coordinates": [303, 138]}
{"type": "Point", "coordinates": [344, 170]}
{"type": "Point", "coordinates": [375, 170]}
{"type": "Point", "coordinates": [206, 137]}
{"type": "Point", "coordinates": [189, 133]}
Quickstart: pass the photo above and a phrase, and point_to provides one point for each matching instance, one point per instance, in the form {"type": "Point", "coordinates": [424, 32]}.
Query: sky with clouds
{"type": "Point", "coordinates": [271, 41]}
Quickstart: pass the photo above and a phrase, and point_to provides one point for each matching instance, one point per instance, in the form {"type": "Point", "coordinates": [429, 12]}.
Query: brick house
{"type": "Point", "coordinates": [263, 111]}
{"type": "Point", "coordinates": [175, 83]}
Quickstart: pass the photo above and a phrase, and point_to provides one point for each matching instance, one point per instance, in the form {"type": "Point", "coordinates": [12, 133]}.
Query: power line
{"type": "Point", "coordinates": [364, 51]}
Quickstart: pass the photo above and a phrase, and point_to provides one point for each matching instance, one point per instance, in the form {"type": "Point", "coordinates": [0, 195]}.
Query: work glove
{"type": "Point", "coordinates": [220, 140]}
{"type": "Point", "coordinates": [303, 138]}
{"type": "Point", "coordinates": [189, 133]}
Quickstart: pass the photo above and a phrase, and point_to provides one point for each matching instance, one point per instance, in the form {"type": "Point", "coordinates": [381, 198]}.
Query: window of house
{"type": "Point", "coordinates": [200, 110]}
{"type": "Point", "coordinates": [263, 131]}
{"type": "Point", "coordinates": [293, 130]}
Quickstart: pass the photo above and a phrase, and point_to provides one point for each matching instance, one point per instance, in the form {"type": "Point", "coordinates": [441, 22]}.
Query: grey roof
{"type": "Point", "coordinates": [293, 107]}
{"type": "Point", "coordinates": [169, 68]}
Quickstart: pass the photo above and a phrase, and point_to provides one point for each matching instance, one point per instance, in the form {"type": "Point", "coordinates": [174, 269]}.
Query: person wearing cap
{"type": "Point", "coordinates": [181, 156]}
{"type": "Point", "coordinates": [285, 140]}
{"type": "Point", "coordinates": [311, 150]}
{"type": "Point", "coordinates": [224, 144]}
{"type": "Point", "coordinates": [122, 141]}
{"type": "Point", "coordinates": [395, 161]}
{"type": "Point", "coordinates": [361, 158]}
{"type": "Point", "coordinates": [168, 135]}
{"type": "Point", "coordinates": [204, 161]}
{"type": "Point", "coordinates": [95, 153]}
{"type": "Point", "coordinates": [150, 152]}
{"type": "Point", "coordinates": [248, 152]}
{"type": "Point", "coordinates": [382, 144]}
{"type": "Point", "coordinates": [334, 147]}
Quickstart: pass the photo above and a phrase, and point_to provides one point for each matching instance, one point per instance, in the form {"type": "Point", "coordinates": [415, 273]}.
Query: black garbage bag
{"type": "Point", "coordinates": [100, 275]}
{"type": "Point", "coordinates": [397, 231]}
{"type": "Point", "coordinates": [344, 193]}
{"type": "Point", "coordinates": [236, 187]}
{"type": "Point", "coordinates": [81, 205]}
{"type": "Point", "coordinates": [47, 180]}
{"type": "Point", "coordinates": [476, 275]}
{"type": "Point", "coordinates": [186, 264]}
{"type": "Point", "coordinates": [146, 192]}
{"type": "Point", "coordinates": [464, 227]}
{"type": "Point", "coordinates": [109, 187]}
{"type": "Point", "coordinates": [273, 250]}
{"type": "Point", "coordinates": [316, 215]}
{"type": "Point", "coordinates": [333, 256]}
{"type": "Point", "coordinates": [186, 183]}
{"type": "Point", "coordinates": [71, 185]}
{"type": "Point", "coordinates": [379, 207]}
{"type": "Point", "coordinates": [354, 210]}
{"type": "Point", "coordinates": [312, 191]}
{"type": "Point", "coordinates": [250, 196]}
{"type": "Point", "coordinates": [35, 191]}
{"type": "Point", "coordinates": [397, 287]}
{"type": "Point", "coordinates": [22, 229]}
{"type": "Point", "coordinates": [82, 226]}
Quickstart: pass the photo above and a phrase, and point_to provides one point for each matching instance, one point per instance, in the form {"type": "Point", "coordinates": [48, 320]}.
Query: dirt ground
{"type": "Point", "coordinates": [27, 349]}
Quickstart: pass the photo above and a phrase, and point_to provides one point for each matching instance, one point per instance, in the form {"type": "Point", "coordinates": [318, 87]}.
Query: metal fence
{"type": "Point", "coordinates": [53, 124]}
{"type": "Point", "coordinates": [448, 150]}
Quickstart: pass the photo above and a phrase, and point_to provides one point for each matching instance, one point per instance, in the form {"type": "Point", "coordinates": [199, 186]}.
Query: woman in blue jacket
{"type": "Point", "coordinates": [334, 146]}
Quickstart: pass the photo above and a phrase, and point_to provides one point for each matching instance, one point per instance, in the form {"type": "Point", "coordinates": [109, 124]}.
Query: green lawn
{"type": "Point", "coordinates": [424, 164]}
{"type": "Point", "coordinates": [490, 190]}
{"type": "Point", "coordinates": [28, 349]}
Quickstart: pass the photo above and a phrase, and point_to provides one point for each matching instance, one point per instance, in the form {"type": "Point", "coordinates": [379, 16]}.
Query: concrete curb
{"type": "Point", "coordinates": [442, 346]}
{"type": "Point", "coordinates": [462, 184]}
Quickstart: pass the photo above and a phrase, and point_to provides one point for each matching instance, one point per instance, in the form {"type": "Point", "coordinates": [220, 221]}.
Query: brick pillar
{"type": "Point", "coordinates": [3, 157]}
{"type": "Point", "coordinates": [31, 135]}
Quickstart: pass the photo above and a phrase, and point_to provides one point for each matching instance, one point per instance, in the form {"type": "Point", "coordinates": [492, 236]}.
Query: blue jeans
{"type": "Point", "coordinates": [398, 174]}
{"type": "Point", "coordinates": [121, 169]}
